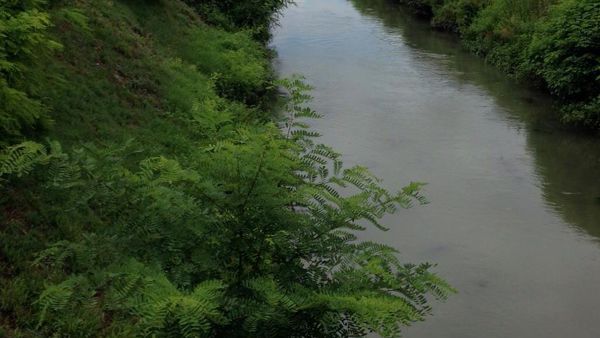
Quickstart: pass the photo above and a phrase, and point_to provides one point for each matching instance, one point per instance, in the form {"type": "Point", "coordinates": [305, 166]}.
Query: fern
{"type": "Point", "coordinates": [251, 233]}
{"type": "Point", "coordinates": [22, 40]}
{"type": "Point", "coordinates": [163, 308]}
{"type": "Point", "coordinates": [19, 160]}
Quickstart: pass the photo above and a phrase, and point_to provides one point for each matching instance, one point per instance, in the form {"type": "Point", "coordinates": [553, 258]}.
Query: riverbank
{"type": "Point", "coordinates": [94, 92]}
{"type": "Point", "coordinates": [148, 188]}
{"type": "Point", "coordinates": [553, 44]}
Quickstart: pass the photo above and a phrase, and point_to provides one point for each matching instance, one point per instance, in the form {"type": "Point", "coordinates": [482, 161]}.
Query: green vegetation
{"type": "Point", "coordinates": [254, 15]}
{"type": "Point", "coordinates": [22, 29]}
{"type": "Point", "coordinates": [147, 190]}
{"type": "Point", "coordinates": [554, 43]}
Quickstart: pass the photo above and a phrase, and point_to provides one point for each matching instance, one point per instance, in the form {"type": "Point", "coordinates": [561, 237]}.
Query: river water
{"type": "Point", "coordinates": [514, 218]}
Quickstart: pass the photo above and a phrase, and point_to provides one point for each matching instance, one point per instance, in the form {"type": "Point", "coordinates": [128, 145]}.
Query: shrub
{"type": "Point", "coordinates": [564, 53]}
{"type": "Point", "coordinates": [423, 8]}
{"type": "Point", "coordinates": [564, 49]}
{"type": "Point", "coordinates": [256, 15]}
{"type": "Point", "coordinates": [237, 64]}
{"type": "Point", "coordinates": [252, 237]}
{"type": "Point", "coordinates": [22, 39]}
{"type": "Point", "coordinates": [456, 15]}
{"type": "Point", "coordinates": [551, 43]}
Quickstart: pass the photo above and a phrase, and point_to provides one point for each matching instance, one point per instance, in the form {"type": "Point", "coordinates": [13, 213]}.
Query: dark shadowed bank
{"type": "Point", "coordinates": [148, 190]}
{"type": "Point", "coordinates": [554, 44]}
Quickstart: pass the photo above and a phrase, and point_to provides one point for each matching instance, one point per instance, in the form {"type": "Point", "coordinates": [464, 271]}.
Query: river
{"type": "Point", "coordinates": [514, 218]}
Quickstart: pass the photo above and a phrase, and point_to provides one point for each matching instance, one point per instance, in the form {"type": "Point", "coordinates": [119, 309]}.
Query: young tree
{"type": "Point", "coordinates": [257, 236]}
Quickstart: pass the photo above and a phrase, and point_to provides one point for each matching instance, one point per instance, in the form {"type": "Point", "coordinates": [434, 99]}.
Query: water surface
{"type": "Point", "coordinates": [514, 218]}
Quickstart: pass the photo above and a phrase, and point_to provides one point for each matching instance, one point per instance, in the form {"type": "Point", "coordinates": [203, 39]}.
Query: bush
{"type": "Point", "coordinates": [551, 43]}
{"type": "Point", "coordinates": [586, 113]}
{"type": "Point", "coordinates": [237, 64]}
{"type": "Point", "coordinates": [251, 238]}
{"type": "Point", "coordinates": [422, 8]}
{"type": "Point", "coordinates": [456, 15]}
{"type": "Point", "coordinates": [22, 39]}
{"type": "Point", "coordinates": [563, 53]}
{"type": "Point", "coordinates": [564, 50]}
{"type": "Point", "coordinates": [502, 31]}
{"type": "Point", "coordinates": [255, 15]}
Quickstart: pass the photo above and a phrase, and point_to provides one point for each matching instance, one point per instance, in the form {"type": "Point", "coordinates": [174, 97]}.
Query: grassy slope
{"type": "Point", "coordinates": [104, 240]}
{"type": "Point", "coordinates": [132, 70]}
{"type": "Point", "coordinates": [138, 67]}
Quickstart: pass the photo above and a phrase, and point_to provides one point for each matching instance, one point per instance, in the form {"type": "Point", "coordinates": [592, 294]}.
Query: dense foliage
{"type": "Point", "coordinates": [22, 38]}
{"type": "Point", "coordinates": [565, 52]}
{"type": "Point", "coordinates": [165, 202]}
{"type": "Point", "coordinates": [255, 15]}
{"type": "Point", "coordinates": [552, 42]}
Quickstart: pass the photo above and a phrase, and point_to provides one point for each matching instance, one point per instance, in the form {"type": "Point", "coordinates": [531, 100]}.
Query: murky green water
{"type": "Point", "coordinates": [514, 221]}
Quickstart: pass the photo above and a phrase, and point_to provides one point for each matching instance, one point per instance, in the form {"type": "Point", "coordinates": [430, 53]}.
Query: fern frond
{"type": "Point", "coordinates": [20, 159]}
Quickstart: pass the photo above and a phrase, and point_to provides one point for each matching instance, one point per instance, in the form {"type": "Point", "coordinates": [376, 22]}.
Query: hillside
{"type": "Point", "coordinates": [150, 189]}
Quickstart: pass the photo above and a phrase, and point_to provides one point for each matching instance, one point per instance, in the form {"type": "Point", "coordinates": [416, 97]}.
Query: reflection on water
{"type": "Point", "coordinates": [568, 165]}
{"type": "Point", "coordinates": [515, 212]}
{"type": "Point", "coordinates": [569, 168]}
